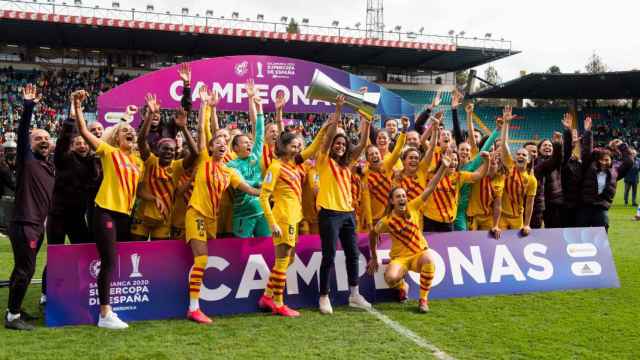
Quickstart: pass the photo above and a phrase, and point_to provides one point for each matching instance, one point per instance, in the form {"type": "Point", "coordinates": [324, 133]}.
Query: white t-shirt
{"type": "Point", "coordinates": [602, 181]}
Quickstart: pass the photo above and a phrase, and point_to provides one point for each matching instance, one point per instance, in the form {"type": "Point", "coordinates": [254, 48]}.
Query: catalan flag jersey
{"type": "Point", "coordinates": [380, 182]}
{"type": "Point", "coordinates": [335, 192]}
{"type": "Point", "coordinates": [309, 189]}
{"type": "Point", "coordinates": [483, 193]}
{"type": "Point", "coordinates": [181, 201]}
{"type": "Point", "coordinates": [442, 205]}
{"type": "Point", "coordinates": [268, 154]}
{"type": "Point", "coordinates": [245, 205]}
{"type": "Point", "coordinates": [283, 184]}
{"type": "Point", "coordinates": [518, 184]}
{"type": "Point", "coordinates": [160, 182]}
{"type": "Point", "coordinates": [415, 184]}
{"type": "Point", "coordinates": [356, 196]}
{"type": "Point", "coordinates": [121, 175]}
{"type": "Point", "coordinates": [406, 231]}
{"type": "Point", "coordinates": [211, 181]}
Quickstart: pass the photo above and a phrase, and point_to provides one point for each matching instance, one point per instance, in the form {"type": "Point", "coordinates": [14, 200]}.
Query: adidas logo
{"type": "Point", "coordinates": [586, 268]}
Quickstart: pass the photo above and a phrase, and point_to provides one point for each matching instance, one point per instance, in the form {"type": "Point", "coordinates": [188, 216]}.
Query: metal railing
{"type": "Point", "coordinates": [235, 22]}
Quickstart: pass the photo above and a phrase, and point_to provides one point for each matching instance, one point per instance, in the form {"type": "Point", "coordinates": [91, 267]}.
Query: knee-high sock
{"type": "Point", "coordinates": [426, 277]}
{"type": "Point", "coordinates": [195, 279]}
{"type": "Point", "coordinates": [277, 280]}
{"type": "Point", "coordinates": [292, 258]}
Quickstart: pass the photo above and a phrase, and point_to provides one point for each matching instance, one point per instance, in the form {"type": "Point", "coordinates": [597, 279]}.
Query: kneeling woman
{"type": "Point", "coordinates": [403, 221]}
{"type": "Point", "coordinates": [211, 181]}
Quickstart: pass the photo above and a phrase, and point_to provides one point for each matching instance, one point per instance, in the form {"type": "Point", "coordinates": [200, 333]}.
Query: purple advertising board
{"type": "Point", "coordinates": [150, 278]}
{"type": "Point", "coordinates": [228, 75]}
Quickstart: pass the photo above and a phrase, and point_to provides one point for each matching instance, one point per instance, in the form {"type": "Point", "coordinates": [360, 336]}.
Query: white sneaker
{"type": "Point", "coordinates": [325, 305]}
{"type": "Point", "coordinates": [111, 322]}
{"type": "Point", "coordinates": [358, 301]}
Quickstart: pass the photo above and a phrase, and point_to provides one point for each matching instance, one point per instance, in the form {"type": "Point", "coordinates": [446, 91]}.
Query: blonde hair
{"type": "Point", "coordinates": [110, 134]}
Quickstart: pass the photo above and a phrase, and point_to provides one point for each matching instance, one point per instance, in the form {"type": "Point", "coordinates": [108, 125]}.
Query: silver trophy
{"type": "Point", "coordinates": [135, 264]}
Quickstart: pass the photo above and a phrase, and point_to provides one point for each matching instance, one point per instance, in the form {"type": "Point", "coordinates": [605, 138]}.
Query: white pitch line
{"type": "Point", "coordinates": [435, 351]}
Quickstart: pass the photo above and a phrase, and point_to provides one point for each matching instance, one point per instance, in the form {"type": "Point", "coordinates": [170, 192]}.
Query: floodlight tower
{"type": "Point", "coordinates": [375, 19]}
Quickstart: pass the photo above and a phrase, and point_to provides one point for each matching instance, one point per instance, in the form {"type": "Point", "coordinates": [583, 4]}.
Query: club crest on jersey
{"type": "Point", "coordinates": [268, 178]}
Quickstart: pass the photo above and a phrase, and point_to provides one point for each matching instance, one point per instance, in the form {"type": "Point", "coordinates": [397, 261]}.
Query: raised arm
{"type": "Point", "coordinates": [251, 97]}
{"type": "Point", "coordinates": [431, 186]}
{"type": "Point", "coordinates": [30, 99]}
{"type": "Point", "coordinates": [428, 157]}
{"type": "Point", "coordinates": [455, 102]}
{"type": "Point", "coordinates": [184, 71]}
{"type": "Point", "coordinates": [280, 101]}
{"type": "Point", "coordinates": [181, 123]}
{"type": "Point", "coordinates": [311, 150]}
{"type": "Point", "coordinates": [567, 138]}
{"type": "Point", "coordinates": [153, 107]}
{"type": "Point", "coordinates": [483, 169]}
{"type": "Point", "coordinates": [64, 139]}
{"type": "Point", "coordinates": [587, 143]}
{"type": "Point", "coordinates": [388, 164]}
{"type": "Point", "coordinates": [506, 153]}
{"type": "Point", "coordinates": [333, 125]}
{"type": "Point", "coordinates": [362, 143]}
{"type": "Point", "coordinates": [471, 129]}
{"type": "Point", "coordinates": [258, 137]}
{"type": "Point", "coordinates": [81, 124]}
{"type": "Point", "coordinates": [205, 97]}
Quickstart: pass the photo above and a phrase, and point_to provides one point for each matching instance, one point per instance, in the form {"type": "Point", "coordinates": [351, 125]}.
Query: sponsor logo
{"type": "Point", "coordinates": [242, 68]}
{"type": "Point", "coordinates": [586, 268]}
{"type": "Point", "coordinates": [94, 268]}
{"type": "Point", "coordinates": [582, 250]}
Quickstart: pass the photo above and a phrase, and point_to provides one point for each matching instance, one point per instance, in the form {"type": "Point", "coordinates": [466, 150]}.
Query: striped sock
{"type": "Point", "coordinates": [195, 280]}
{"type": "Point", "coordinates": [426, 277]}
{"type": "Point", "coordinates": [277, 281]}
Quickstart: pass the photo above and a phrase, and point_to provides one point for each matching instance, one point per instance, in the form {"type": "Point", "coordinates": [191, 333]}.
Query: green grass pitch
{"type": "Point", "coordinates": [585, 324]}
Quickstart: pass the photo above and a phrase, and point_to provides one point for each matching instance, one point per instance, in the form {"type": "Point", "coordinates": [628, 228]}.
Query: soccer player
{"type": "Point", "coordinates": [248, 216]}
{"type": "Point", "coordinates": [212, 178]}
{"type": "Point", "coordinates": [441, 208]}
{"type": "Point", "coordinates": [283, 185]}
{"type": "Point", "coordinates": [469, 161]}
{"type": "Point", "coordinates": [34, 190]}
{"type": "Point", "coordinates": [378, 180]}
{"type": "Point", "coordinates": [336, 215]}
{"type": "Point", "coordinates": [152, 218]}
{"type": "Point", "coordinates": [485, 199]}
{"type": "Point", "coordinates": [122, 171]}
{"type": "Point", "coordinates": [272, 131]}
{"type": "Point", "coordinates": [519, 186]}
{"type": "Point", "coordinates": [403, 221]}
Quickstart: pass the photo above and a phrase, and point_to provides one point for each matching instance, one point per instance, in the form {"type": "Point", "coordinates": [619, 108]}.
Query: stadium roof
{"type": "Point", "coordinates": [59, 31]}
{"type": "Point", "coordinates": [610, 85]}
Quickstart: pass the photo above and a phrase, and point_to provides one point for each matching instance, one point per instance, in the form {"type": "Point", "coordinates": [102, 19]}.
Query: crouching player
{"type": "Point", "coordinates": [403, 222]}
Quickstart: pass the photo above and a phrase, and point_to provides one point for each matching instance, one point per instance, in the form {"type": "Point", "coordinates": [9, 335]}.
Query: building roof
{"type": "Point", "coordinates": [609, 85]}
{"type": "Point", "coordinates": [60, 31]}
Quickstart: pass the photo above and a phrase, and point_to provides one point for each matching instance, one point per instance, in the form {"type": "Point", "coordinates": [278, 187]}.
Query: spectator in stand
{"type": "Point", "coordinates": [631, 180]}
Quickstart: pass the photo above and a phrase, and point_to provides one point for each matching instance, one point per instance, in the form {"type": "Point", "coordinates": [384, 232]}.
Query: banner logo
{"type": "Point", "coordinates": [135, 265]}
{"type": "Point", "coordinates": [94, 268]}
{"type": "Point", "coordinates": [242, 68]}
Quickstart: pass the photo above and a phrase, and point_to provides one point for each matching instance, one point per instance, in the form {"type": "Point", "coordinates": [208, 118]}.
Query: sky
{"type": "Point", "coordinates": [563, 33]}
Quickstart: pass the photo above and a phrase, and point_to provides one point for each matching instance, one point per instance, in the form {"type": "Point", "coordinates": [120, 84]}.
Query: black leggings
{"type": "Point", "coordinates": [109, 227]}
{"type": "Point", "coordinates": [25, 242]}
{"type": "Point", "coordinates": [336, 225]}
{"type": "Point", "coordinates": [436, 226]}
{"type": "Point", "coordinates": [593, 216]}
{"type": "Point", "coordinates": [72, 223]}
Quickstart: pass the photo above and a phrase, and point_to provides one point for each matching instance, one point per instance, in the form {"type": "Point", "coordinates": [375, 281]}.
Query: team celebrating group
{"type": "Point", "coordinates": [119, 184]}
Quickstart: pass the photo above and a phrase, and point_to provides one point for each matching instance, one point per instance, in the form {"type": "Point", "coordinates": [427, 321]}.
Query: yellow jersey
{"type": "Point", "coordinates": [518, 185]}
{"type": "Point", "coordinates": [268, 154]}
{"type": "Point", "coordinates": [442, 205]}
{"type": "Point", "coordinates": [121, 175]}
{"type": "Point", "coordinates": [160, 182]}
{"type": "Point", "coordinates": [211, 181]}
{"type": "Point", "coordinates": [310, 187]}
{"type": "Point", "coordinates": [283, 185]}
{"type": "Point", "coordinates": [378, 183]}
{"type": "Point", "coordinates": [483, 193]}
{"type": "Point", "coordinates": [407, 238]}
{"type": "Point", "coordinates": [181, 200]}
{"type": "Point", "coordinates": [335, 190]}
